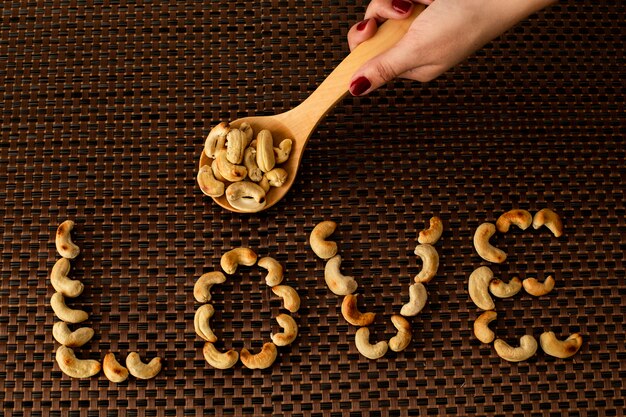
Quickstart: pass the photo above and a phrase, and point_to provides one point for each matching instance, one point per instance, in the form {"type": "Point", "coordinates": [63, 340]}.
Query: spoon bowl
{"type": "Point", "coordinates": [300, 122]}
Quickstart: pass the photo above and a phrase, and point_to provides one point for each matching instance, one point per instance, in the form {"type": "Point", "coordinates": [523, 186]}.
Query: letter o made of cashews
{"type": "Point", "coordinates": [484, 248]}
{"type": "Point", "coordinates": [63, 241]}
{"type": "Point", "coordinates": [526, 349]}
{"type": "Point", "coordinates": [323, 248]}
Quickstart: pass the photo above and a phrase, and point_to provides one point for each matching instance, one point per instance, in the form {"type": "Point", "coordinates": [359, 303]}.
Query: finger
{"type": "Point", "coordinates": [383, 68]}
{"type": "Point", "coordinates": [361, 32]}
{"type": "Point", "coordinates": [382, 10]}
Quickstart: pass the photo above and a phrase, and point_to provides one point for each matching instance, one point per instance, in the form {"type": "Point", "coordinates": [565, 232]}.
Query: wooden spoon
{"type": "Point", "coordinates": [299, 123]}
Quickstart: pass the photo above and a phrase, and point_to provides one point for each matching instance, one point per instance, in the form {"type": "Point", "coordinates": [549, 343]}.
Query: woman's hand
{"type": "Point", "coordinates": [440, 37]}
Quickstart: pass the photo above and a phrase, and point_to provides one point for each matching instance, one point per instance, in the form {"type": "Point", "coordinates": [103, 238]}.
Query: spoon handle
{"type": "Point", "coordinates": [311, 111]}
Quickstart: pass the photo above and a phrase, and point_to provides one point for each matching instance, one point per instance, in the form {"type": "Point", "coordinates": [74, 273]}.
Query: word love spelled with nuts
{"type": "Point", "coordinates": [243, 169]}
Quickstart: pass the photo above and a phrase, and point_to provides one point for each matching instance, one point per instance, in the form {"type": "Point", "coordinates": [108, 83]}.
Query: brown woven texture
{"type": "Point", "coordinates": [105, 106]}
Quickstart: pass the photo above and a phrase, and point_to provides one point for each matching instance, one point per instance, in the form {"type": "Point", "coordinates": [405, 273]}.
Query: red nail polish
{"type": "Point", "coordinates": [362, 25]}
{"type": "Point", "coordinates": [401, 6]}
{"type": "Point", "coordinates": [359, 86]}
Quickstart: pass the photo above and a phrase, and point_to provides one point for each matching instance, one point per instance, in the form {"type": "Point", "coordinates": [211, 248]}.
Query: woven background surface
{"type": "Point", "coordinates": [105, 106]}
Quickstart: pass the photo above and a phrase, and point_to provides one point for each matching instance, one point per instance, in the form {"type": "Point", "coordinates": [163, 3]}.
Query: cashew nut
{"type": "Point", "coordinates": [484, 248]}
{"type": "Point", "coordinates": [322, 248]}
{"type": "Point", "coordinates": [236, 143]}
{"type": "Point", "coordinates": [291, 299]}
{"type": "Point", "coordinates": [113, 370]}
{"type": "Point", "coordinates": [264, 184]}
{"type": "Point", "coordinates": [217, 359]}
{"type": "Point", "coordinates": [246, 196]}
{"type": "Point", "coordinates": [520, 218]}
{"type": "Point", "coordinates": [230, 172]}
{"type": "Point", "coordinates": [430, 262]}
{"type": "Point", "coordinates": [265, 151]}
{"type": "Point", "coordinates": [63, 312]}
{"type": "Point", "coordinates": [141, 370]}
{"type": "Point", "coordinates": [338, 283]}
{"type": "Point", "coordinates": [433, 233]}
{"type": "Point", "coordinates": [65, 246]}
{"type": "Point", "coordinates": [362, 341]}
{"type": "Point", "coordinates": [216, 139]}
{"type": "Point", "coordinates": [58, 278]}
{"type": "Point", "coordinates": [208, 183]}
{"type": "Point", "coordinates": [276, 177]}
{"type": "Point", "coordinates": [548, 218]}
{"type": "Point", "coordinates": [264, 359]}
{"type": "Point", "coordinates": [536, 288]}
{"type": "Point", "coordinates": [249, 161]}
{"type": "Point", "coordinates": [401, 340]}
{"type": "Point", "coordinates": [417, 300]}
{"type": "Point", "coordinates": [502, 290]}
{"type": "Point", "coordinates": [235, 257]}
{"type": "Point", "coordinates": [274, 271]}
{"type": "Point", "coordinates": [247, 131]}
{"type": "Point", "coordinates": [66, 337]}
{"type": "Point", "coordinates": [352, 314]}
{"type": "Point", "coordinates": [526, 349]}
{"type": "Point", "coordinates": [560, 348]}
{"type": "Point", "coordinates": [74, 367]}
{"type": "Point", "coordinates": [201, 323]}
{"type": "Point", "coordinates": [289, 333]}
{"type": "Point", "coordinates": [202, 287]}
{"type": "Point", "coordinates": [481, 326]}
{"type": "Point", "coordinates": [281, 154]}
{"type": "Point", "coordinates": [216, 172]}
{"type": "Point", "coordinates": [478, 288]}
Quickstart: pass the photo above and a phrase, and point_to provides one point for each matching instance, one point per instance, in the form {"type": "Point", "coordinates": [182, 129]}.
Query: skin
{"type": "Point", "coordinates": [443, 35]}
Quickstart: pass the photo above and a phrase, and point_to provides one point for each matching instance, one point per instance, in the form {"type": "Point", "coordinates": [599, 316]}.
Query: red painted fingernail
{"type": "Point", "coordinates": [401, 6]}
{"type": "Point", "coordinates": [362, 25]}
{"type": "Point", "coordinates": [359, 86]}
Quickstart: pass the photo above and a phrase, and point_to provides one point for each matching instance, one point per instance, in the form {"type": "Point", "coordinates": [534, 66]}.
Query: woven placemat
{"type": "Point", "coordinates": [105, 106]}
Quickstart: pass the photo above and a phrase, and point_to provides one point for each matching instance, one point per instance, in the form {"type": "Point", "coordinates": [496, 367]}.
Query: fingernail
{"type": "Point", "coordinates": [362, 25]}
{"type": "Point", "coordinates": [401, 6]}
{"type": "Point", "coordinates": [359, 86]}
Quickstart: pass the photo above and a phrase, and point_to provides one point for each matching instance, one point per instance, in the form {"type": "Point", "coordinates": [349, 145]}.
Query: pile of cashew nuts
{"type": "Point", "coordinates": [345, 286]}
{"type": "Point", "coordinates": [66, 287]}
{"type": "Point", "coordinates": [248, 166]}
{"type": "Point", "coordinates": [482, 281]}
{"type": "Point", "coordinates": [202, 294]}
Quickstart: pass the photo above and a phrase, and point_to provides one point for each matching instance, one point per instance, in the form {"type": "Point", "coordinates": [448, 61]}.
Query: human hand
{"type": "Point", "coordinates": [443, 35]}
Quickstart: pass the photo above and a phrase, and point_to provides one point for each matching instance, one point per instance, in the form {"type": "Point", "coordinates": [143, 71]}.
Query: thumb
{"type": "Point", "coordinates": [384, 67]}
